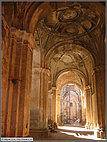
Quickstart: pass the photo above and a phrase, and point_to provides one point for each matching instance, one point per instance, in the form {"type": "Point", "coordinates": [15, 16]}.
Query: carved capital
{"type": "Point", "coordinates": [36, 70]}
{"type": "Point", "coordinates": [54, 88]}
{"type": "Point", "coordinates": [50, 91]}
{"type": "Point", "coordinates": [99, 68]}
{"type": "Point", "coordinates": [25, 42]}
{"type": "Point", "coordinates": [46, 71]}
{"type": "Point", "coordinates": [21, 35]}
{"type": "Point", "coordinates": [87, 87]}
{"type": "Point", "coordinates": [19, 40]}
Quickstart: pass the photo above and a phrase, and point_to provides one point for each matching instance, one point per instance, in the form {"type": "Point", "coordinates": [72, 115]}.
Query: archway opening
{"type": "Point", "coordinates": [71, 105]}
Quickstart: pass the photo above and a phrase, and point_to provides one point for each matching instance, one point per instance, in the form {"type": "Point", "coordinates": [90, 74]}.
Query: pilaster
{"type": "Point", "coordinates": [49, 104]}
{"type": "Point", "coordinates": [99, 72]}
{"type": "Point", "coordinates": [88, 111]}
{"type": "Point", "coordinates": [83, 110]}
{"type": "Point", "coordinates": [54, 117]}
{"type": "Point", "coordinates": [58, 109]}
{"type": "Point", "coordinates": [39, 106]}
{"type": "Point", "coordinates": [16, 122]}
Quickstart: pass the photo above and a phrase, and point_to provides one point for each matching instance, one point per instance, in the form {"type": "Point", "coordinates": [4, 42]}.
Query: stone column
{"type": "Point", "coordinates": [16, 116]}
{"type": "Point", "coordinates": [6, 45]}
{"type": "Point", "coordinates": [10, 86]}
{"type": "Point", "coordinates": [78, 113]}
{"type": "Point", "coordinates": [35, 98]}
{"type": "Point", "coordinates": [58, 109]}
{"type": "Point", "coordinates": [91, 112]}
{"type": "Point", "coordinates": [24, 90]}
{"type": "Point", "coordinates": [44, 95]}
{"type": "Point", "coordinates": [88, 114]}
{"type": "Point", "coordinates": [95, 113]}
{"type": "Point", "coordinates": [49, 104]}
{"type": "Point", "coordinates": [49, 98]}
{"type": "Point", "coordinates": [83, 111]}
{"type": "Point", "coordinates": [39, 107]}
{"type": "Point", "coordinates": [54, 117]}
{"type": "Point", "coordinates": [100, 94]}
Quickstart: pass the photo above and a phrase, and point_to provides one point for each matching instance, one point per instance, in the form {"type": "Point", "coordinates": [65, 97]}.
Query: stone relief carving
{"type": "Point", "coordinates": [75, 20]}
{"type": "Point", "coordinates": [72, 23]}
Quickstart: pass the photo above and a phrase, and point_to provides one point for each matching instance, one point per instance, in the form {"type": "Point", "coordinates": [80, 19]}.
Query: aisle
{"type": "Point", "coordinates": [72, 133]}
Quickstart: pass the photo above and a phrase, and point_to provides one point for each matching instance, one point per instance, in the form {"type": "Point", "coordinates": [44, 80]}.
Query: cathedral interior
{"type": "Point", "coordinates": [53, 70]}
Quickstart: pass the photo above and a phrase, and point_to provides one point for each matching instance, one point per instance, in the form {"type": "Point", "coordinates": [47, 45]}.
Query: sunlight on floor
{"type": "Point", "coordinates": [79, 132]}
{"type": "Point", "coordinates": [91, 137]}
{"type": "Point", "coordinates": [74, 128]}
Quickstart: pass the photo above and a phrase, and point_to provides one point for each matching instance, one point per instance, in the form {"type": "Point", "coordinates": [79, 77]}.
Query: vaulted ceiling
{"type": "Point", "coordinates": [66, 34]}
{"type": "Point", "coordinates": [70, 35]}
{"type": "Point", "coordinates": [72, 21]}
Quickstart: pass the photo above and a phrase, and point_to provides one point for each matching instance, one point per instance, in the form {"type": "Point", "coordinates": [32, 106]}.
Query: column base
{"type": "Point", "coordinates": [91, 126]}
{"type": "Point", "coordinates": [38, 134]}
{"type": "Point", "coordinates": [102, 134]}
{"type": "Point", "coordinates": [83, 122]}
{"type": "Point", "coordinates": [87, 126]}
{"type": "Point", "coordinates": [97, 133]}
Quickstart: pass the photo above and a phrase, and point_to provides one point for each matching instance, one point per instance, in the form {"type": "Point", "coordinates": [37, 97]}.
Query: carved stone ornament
{"type": "Point", "coordinates": [75, 20]}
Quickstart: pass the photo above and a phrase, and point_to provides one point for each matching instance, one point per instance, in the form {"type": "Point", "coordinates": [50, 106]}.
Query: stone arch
{"type": "Point", "coordinates": [65, 70]}
{"type": "Point", "coordinates": [82, 46]}
{"type": "Point", "coordinates": [70, 82]}
{"type": "Point", "coordinates": [34, 13]}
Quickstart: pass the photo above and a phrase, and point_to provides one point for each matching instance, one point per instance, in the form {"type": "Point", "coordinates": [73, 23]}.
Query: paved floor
{"type": "Point", "coordinates": [67, 133]}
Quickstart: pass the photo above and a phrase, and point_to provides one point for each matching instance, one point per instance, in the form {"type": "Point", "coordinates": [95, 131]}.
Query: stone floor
{"type": "Point", "coordinates": [67, 133]}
